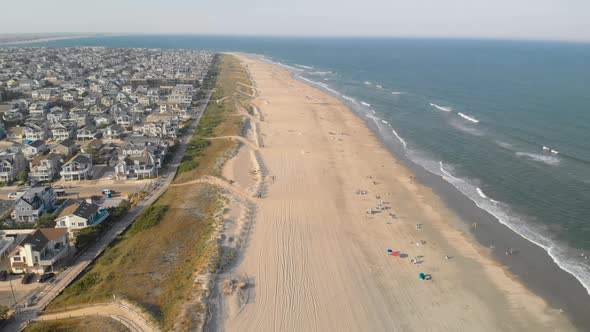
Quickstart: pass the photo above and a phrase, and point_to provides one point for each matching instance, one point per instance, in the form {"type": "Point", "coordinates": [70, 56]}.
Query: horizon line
{"type": "Point", "coordinates": [81, 35]}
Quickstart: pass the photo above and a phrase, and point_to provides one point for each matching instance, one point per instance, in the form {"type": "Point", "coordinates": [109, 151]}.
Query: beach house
{"type": "Point", "coordinates": [33, 204]}
{"type": "Point", "coordinates": [80, 214]}
{"type": "Point", "coordinates": [78, 168]}
{"type": "Point", "coordinates": [39, 251]}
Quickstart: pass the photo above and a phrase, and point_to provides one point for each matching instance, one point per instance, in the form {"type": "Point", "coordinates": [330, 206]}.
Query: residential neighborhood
{"type": "Point", "coordinates": [63, 111]}
{"type": "Point", "coordinates": [81, 118]}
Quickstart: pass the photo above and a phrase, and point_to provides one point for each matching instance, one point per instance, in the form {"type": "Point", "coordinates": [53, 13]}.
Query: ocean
{"type": "Point", "coordinates": [507, 123]}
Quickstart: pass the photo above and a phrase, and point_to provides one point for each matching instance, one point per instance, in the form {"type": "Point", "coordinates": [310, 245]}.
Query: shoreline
{"type": "Point", "coordinates": [533, 267]}
{"type": "Point", "coordinates": [495, 300]}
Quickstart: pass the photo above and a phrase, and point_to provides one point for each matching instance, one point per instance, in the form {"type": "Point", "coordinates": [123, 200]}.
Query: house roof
{"type": "Point", "coordinates": [80, 209]}
{"type": "Point", "coordinates": [37, 240]}
{"type": "Point", "coordinates": [41, 236]}
{"type": "Point", "coordinates": [68, 143]}
{"type": "Point", "coordinates": [53, 233]}
{"type": "Point", "coordinates": [50, 156]}
{"type": "Point", "coordinates": [16, 130]}
{"type": "Point", "coordinates": [37, 143]}
{"type": "Point", "coordinates": [82, 159]}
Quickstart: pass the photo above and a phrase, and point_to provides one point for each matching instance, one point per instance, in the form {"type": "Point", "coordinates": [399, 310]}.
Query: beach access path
{"type": "Point", "coordinates": [42, 299]}
{"type": "Point", "coordinates": [316, 260]}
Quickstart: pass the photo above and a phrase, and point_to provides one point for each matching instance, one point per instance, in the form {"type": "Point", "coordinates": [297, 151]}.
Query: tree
{"type": "Point", "coordinates": [22, 176]}
{"type": "Point", "coordinates": [4, 310]}
{"type": "Point", "coordinates": [7, 95]}
{"type": "Point", "coordinates": [46, 221]}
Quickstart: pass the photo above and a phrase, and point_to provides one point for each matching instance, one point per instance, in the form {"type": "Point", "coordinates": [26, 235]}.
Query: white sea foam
{"type": "Point", "coordinates": [377, 120]}
{"type": "Point", "coordinates": [442, 169]}
{"type": "Point", "coordinates": [365, 104]}
{"type": "Point", "coordinates": [504, 145]}
{"type": "Point", "coordinates": [441, 108]}
{"type": "Point", "coordinates": [350, 99]}
{"type": "Point", "coordinates": [304, 67]}
{"type": "Point", "coordinates": [379, 86]}
{"type": "Point", "coordinates": [396, 92]}
{"type": "Point", "coordinates": [288, 67]}
{"type": "Point", "coordinates": [547, 159]}
{"type": "Point", "coordinates": [480, 193]}
{"type": "Point", "coordinates": [321, 73]}
{"type": "Point", "coordinates": [368, 83]}
{"type": "Point", "coordinates": [320, 84]}
{"type": "Point", "coordinates": [401, 140]}
{"type": "Point", "coordinates": [468, 118]}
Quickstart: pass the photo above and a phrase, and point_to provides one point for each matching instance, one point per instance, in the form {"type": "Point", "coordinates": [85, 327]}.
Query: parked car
{"type": "Point", "coordinates": [27, 278]}
{"type": "Point", "coordinates": [59, 191]}
{"type": "Point", "coordinates": [3, 275]}
{"type": "Point", "coordinates": [46, 276]}
{"type": "Point", "coordinates": [12, 195]}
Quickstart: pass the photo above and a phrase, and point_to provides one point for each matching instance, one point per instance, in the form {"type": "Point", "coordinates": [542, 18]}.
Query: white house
{"type": "Point", "coordinates": [39, 251]}
{"type": "Point", "coordinates": [44, 168]}
{"type": "Point", "coordinates": [78, 168]}
{"type": "Point", "coordinates": [35, 148]}
{"type": "Point", "coordinates": [137, 166]}
{"type": "Point", "coordinates": [80, 214]}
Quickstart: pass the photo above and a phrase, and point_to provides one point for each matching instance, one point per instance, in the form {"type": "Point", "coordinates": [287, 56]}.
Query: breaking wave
{"type": "Point", "coordinates": [365, 104]}
{"type": "Point", "coordinates": [468, 118]}
{"type": "Point", "coordinates": [350, 99]}
{"type": "Point", "coordinates": [320, 84]}
{"type": "Point", "coordinates": [442, 108]}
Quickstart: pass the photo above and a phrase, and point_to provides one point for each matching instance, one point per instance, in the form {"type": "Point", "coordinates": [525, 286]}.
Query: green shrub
{"type": "Point", "coordinates": [149, 218]}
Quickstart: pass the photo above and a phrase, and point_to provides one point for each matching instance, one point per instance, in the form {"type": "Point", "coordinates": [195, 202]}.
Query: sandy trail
{"type": "Point", "coordinates": [124, 314]}
{"type": "Point", "coordinates": [317, 261]}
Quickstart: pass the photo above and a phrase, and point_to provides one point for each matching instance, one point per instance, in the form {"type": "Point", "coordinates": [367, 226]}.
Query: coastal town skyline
{"type": "Point", "coordinates": [534, 20]}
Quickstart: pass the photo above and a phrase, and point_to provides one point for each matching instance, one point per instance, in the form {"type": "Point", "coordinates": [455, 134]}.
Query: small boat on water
{"type": "Point", "coordinates": [554, 151]}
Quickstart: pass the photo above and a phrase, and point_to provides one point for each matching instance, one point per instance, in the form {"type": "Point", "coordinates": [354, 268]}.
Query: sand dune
{"type": "Point", "coordinates": [317, 261]}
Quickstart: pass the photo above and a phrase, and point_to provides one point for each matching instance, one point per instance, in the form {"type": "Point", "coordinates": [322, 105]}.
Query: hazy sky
{"type": "Point", "coordinates": [530, 19]}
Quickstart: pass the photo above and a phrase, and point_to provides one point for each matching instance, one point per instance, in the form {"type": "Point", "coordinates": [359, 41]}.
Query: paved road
{"type": "Point", "coordinates": [42, 299]}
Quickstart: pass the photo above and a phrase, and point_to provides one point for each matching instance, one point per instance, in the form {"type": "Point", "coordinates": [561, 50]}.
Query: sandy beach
{"type": "Point", "coordinates": [333, 201]}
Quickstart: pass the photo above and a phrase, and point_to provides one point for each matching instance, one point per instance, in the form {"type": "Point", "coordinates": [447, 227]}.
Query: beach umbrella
{"type": "Point", "coordinates": [395, 253]}
{"type": "Point", "coordinates": [422, 276]}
